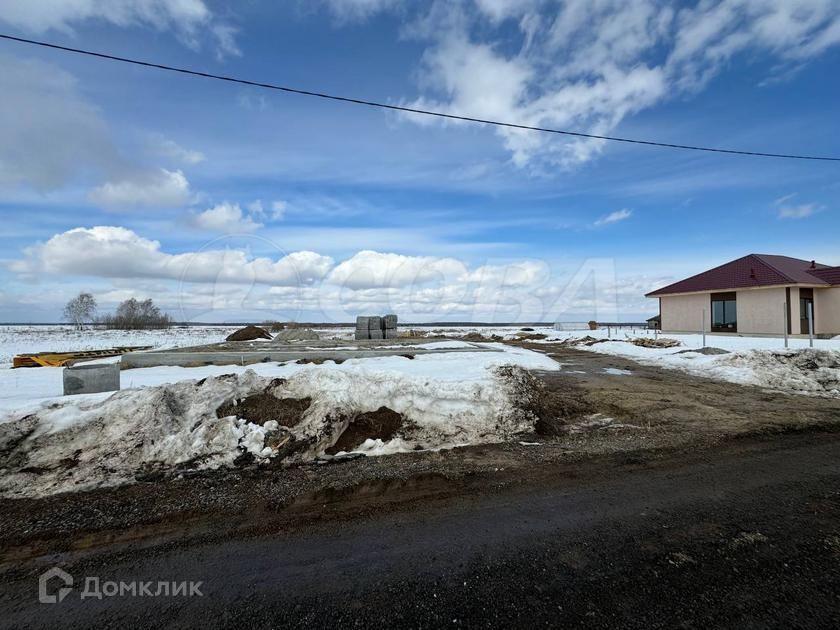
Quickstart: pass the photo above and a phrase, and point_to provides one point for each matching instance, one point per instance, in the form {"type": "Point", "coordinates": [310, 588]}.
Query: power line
{"type": "Point", "coordinates": [408, 110]}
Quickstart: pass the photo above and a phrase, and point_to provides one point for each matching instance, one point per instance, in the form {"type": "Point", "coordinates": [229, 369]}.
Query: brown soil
{"type": "Point", "coordinates": [534, 336]}
{"type": "Point", "coordinates": [249, 333]}
{"type": "Point", "coordinates": [319, 361]}
{"type": "Point", "coordinates": [474, 336]}
{"type": "Point", "coordinates": [561, 403]}
{"type": "Point", "coordinates": [672, 402]}
{"type": "Point", "coordinates": [381, 424]}
{"type": "Point", "coordinates": [262, 407]}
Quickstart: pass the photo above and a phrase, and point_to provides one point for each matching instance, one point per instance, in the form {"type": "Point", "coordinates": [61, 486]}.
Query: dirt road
{"type": "Point", "coordinates": [742, 536]}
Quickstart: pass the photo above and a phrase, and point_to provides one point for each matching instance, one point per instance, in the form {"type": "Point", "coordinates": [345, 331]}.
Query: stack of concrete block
{"type": "Point", "coordinates": [390, 326]}
{"type": "Point", "coordinates": [362, 327]}
{"type": "Point", "coordinates": [376, 327]}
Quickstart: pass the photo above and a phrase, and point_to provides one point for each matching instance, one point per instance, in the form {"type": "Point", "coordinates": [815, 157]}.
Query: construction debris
{"type": "Point", "coordinates": [249, 333]}
{"type": "Point", "coordinates": [60, 359]}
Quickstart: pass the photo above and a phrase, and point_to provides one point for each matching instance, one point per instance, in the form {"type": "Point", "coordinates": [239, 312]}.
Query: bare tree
{"type": "Point", "coordinates": [80, 309]}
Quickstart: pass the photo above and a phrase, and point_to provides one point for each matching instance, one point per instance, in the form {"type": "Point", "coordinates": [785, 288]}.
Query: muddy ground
{"type": "Point", "coordinates": [648, 420]}
{"type": "Point", "coordinates": [641, 415]}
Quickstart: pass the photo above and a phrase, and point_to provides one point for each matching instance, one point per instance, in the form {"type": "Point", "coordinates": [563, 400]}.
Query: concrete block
{"type": "Point", "coordinates": [390, 322]}
{"type": "Point", "coordinates": [90, 379]}
{"type": "Point", "coordinates": [377, 334]}
{"type": "Point", "coordinates": [391, 333]}
{"type": "Point", "coordinates": [362, 323]}
{"type": "Point", "coordinates": [362, 335]}
{"type": "Point", "coordinates": [375, 323]}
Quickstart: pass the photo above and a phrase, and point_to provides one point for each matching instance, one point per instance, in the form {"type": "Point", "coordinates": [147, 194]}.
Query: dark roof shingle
{"type": "Point", "coordinates": [754, 270]}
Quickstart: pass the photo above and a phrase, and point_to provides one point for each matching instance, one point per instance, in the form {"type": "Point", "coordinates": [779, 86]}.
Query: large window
{"type": "Point", "coordinates": [724, 317]}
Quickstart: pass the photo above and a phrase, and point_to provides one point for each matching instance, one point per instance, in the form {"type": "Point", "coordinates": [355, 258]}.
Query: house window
{"type": "Point", "coordinates": [724, 316]}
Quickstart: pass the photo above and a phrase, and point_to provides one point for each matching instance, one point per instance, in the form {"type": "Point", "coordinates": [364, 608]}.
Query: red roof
{"type": "Point", "coordinates": [829, 274]}
{"type": "Point", "coordinates": [755, 270]}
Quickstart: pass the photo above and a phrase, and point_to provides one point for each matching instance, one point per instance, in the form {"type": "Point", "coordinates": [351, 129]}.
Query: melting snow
{"type": "Point", "coordinates": [167, 416]}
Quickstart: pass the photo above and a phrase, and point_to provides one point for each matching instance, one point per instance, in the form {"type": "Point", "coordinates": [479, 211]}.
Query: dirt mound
{"type": "Point", "coordinates": [661, 342]}
{"type": "Point", "coordinates": [249, 333]}
{"type": "Point", "coordinates": [474, 336]}
{"type": "Point", "coordinates": [561, 401]}
{"type": "Point", "coordinates": [262, 407]}
{"type": "Point", "coordinates": [296, 334]}
{"type": "Point", "coordinates": [531, 336]}
{"type": "Point", "coordinates": [381, 424]}
{"type": "Point", "coordinates": [588, 340]}
{"type": "Point", "coordinates": [707, 350]}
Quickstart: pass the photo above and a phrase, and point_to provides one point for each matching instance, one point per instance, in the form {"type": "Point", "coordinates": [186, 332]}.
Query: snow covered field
{"type": "Point", "coordinates": [21, 338]}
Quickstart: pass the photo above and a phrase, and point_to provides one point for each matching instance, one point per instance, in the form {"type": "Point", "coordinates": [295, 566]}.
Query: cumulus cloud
{"type": "Point", "coordinates": [524, 273]}
{"type": "Point", "coordinates": [368, 269]}
{"type": "Point", "coordinates": [614, 217]}
{"type": "Point", "coordinates": [226, 218]}
{"type": "Point", "coordinates": [186, 18]}
{"type": "Point", "coordinates": [116, 252]}
{"type": "Point", "coordinates": [150, 189]}
{"type": "Point", "coordinates": [421, 287]}
{"type": "Point", "coordinates": [586, 66]}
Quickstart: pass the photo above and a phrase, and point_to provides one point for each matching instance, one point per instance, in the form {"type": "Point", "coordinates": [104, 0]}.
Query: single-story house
{"type": "Point", "coordinates": [757, 294]}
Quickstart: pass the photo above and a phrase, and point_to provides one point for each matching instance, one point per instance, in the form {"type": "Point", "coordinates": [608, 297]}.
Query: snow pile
{"type": "Point", "coordinates": [803, 371]}
{"type": "Point", "coordinates": [82, 442]}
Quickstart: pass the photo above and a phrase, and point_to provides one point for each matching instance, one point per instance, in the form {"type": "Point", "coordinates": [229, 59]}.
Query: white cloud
{"type": "Point", "coordinates": [226, 218]}
{"type": "Point", "coordinates": [358, 10]}
{"type": "Point", "coordinates": [150, 189]}
{"type": "Point", "coordinates": [232, 281]}
{"type": "Point", "coordinates": [586, 66]}
{"type": "Point", "coordinates": [786, 210]}
{"type": "Point", "coordinates": [802, 211]}
{"type": "Point", "coordinates": [525, 273]}
{"type": "Point", "coordinates": [278, 210]}
{"type": "Point", "coordinates": [171, 150]}
{"type": "Point", "coordinates": [186, 18]}
{"type": "Point", "coordinates": [116, 252]}
{"type": "Point", "coordinates": [368, 269]}
{"type": "Point", "coordinates": [614, 217]}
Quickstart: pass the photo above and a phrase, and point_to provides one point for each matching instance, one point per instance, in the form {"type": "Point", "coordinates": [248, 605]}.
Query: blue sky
{"type": "Point", "coordinates": [227, 202]}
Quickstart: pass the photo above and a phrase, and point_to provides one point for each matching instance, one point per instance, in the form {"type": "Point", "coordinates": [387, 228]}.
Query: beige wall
{"type": "Point", "coordinates": [827, 311]}
{"type": "Point", "coordinates": [683, 313]}
{"type": "Point", "coordinates": [761, 311]}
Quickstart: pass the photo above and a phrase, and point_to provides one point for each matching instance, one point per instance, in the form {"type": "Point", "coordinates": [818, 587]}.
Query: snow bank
{"type": "Point", "coordinates": [809, 371]}
{"type": "Point", "coordinates": [81, 442]}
